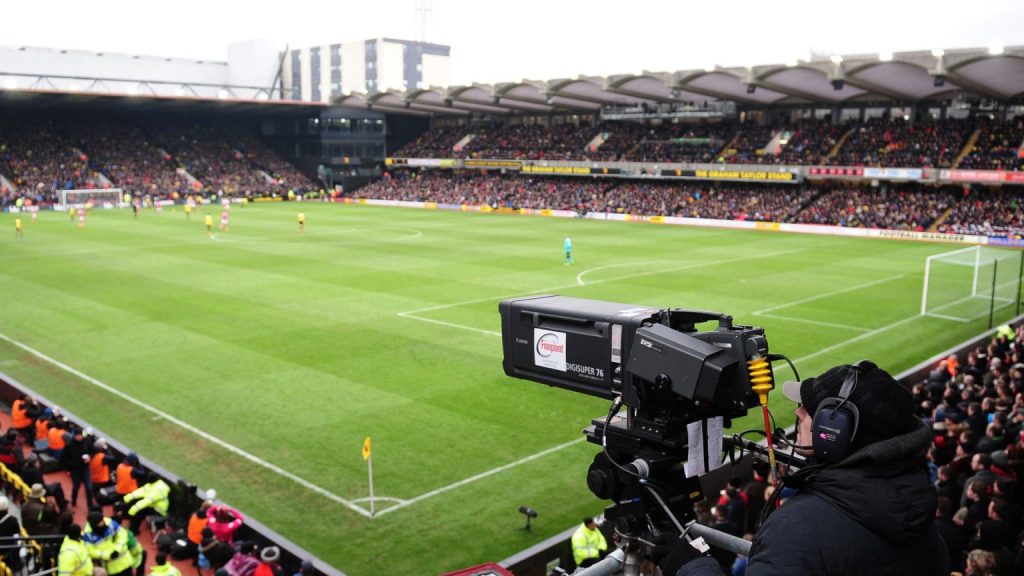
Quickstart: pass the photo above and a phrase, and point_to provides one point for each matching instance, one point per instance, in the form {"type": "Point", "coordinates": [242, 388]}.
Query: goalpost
{"type": "Point", "coordinates": [100, 198]}
{"type": "Point", "coordinates": [970, 283]}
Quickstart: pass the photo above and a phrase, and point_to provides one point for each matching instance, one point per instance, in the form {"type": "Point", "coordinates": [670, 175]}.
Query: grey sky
{"type": "Point", "coordinates": [537, 39]}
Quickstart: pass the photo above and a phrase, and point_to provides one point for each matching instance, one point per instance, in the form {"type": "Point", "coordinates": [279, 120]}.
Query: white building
{"type": "Point", "coordinates": [321, 73]}
{"type": "Point", "coordinates": [255, 70]}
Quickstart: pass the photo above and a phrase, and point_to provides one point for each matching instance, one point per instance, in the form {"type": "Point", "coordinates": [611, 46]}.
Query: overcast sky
{"type": "Point", "coordinates": [535, 39]}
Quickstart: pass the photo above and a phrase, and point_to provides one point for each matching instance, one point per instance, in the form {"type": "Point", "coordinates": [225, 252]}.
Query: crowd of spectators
{"type": "Point", "coordinates": [42, 156]}
{"type": "Point", "coordinates": [489, 189]}
{"type": "Point", "coordinates": [203, 150]}
{"type": "Point", "coordinates": [809, 142]}
{"type": "Point", "coordinates": [897, 142]}
{"type": "Point", "coordinates": [740, 201]}
{"type": "Point", "coordinates": [999, 147]}
{"type": "Point", "coordinates": [895, 207]}
{"type": "Point", "coordinates": [987, 212]}
{"type": "Point", "coordinates": [682, 143]}
{"type": "Point", "coordinates": [899, 208]}
{"type": "Point", "coordinates": [531, 142]}
{"type": "Point", "coordinates": [876, 142]}
{"type": "Point", "coordinates": [123, 154]}
{"type": "Point", "coordinates": [748, 147]}
{"type": "Point", "coordinates": [285, 175]}
{"type": "Point", "coordinates": [435, 143]}
{"type": "Point", "coordinates": [975, 404]}
{"type": "Point", "coordinates": [39, 159]}
{"type": "Point", "coordinates": [715, 200]}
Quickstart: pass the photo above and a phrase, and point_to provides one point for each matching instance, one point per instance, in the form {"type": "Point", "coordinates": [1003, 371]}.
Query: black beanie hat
{"type": "Point", "coordinates": [886, 407]}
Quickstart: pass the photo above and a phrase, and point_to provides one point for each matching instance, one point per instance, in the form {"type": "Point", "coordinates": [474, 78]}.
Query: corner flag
{"type": "Point", "coordinates": [366, 448]}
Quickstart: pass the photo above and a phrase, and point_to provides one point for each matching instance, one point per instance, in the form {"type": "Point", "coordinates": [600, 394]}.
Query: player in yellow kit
{"type": "Point", "coordinates": [19, 229]}
{"type": "Point", "coordinates": [208, 220]}
{"type": "Point", "coordinates": [302, 222]}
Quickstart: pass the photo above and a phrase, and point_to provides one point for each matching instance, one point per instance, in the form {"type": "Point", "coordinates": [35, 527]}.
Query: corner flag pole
{"type": "Point", "coordinates": [369, 467]}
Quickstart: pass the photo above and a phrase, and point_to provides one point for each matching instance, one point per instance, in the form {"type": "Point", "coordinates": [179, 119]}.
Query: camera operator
{"type": "Point", "coordinates": [864, 509]}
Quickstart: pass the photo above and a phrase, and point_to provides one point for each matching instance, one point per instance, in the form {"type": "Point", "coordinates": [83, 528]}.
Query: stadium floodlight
{"type": "Point", "coordinates": [75, 87]}
{"type": "Point", "coordinates": [969, 283]}
{"type": "Point", "coordinates": [10, 83]}
{"type": "Point", "coordinates": [711, 68]}
{"type": "Point", "coordinates": [179, 91]}
{"type": "Point", "coordinates": [836, 59]}
{"type": "Point", "coordinates": [133, 90]}
{"type": "Point", "coordinates": [995, 49]}
{"type": "Point", "coordinates": [938, 52]}
{"type": "Point", "coordinates": [885, 56]}
{"type": "Point", "coordinates": [792, 62]}
{"type": "Point", "coordinates": [222, 94]}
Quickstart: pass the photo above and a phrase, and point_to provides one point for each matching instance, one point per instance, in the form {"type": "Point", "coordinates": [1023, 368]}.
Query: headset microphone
{"type": "Point", "coordinates": [834, 425]}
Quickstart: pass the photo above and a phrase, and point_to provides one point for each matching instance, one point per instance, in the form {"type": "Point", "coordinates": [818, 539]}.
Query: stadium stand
{"type": "Point", "coordinates": [998, 147]}
{"type": "Point", "coordinates": [144, 157]}
{"type": "Point", "coordinates": [896, 207]}
{"type": "Point", "coordinates": [906, 208]}
{"type": "Point", "coordinates": [987, 212]}
{"type": "Point", "coordinates": [897, 142]}
{"type": "Point", "coordinates": [34, 548]}
{"type": "Point", "coordinates": [882, 142]}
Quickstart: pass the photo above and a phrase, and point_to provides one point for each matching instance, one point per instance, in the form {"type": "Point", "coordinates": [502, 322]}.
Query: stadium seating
{"type": "Point", "coordinates": [898, 207]}
{"type": "Point", "coordinates": [45, 155]}
{"type": "Point", "coordinates": [876, 142]}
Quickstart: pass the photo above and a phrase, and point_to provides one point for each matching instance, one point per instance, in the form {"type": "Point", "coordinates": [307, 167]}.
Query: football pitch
{"type": "Point", "coordinates": [256, 361]}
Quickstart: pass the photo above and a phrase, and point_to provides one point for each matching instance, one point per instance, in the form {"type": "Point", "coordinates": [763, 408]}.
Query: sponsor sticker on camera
{"type": "Point", "coordinates": [549, 349]}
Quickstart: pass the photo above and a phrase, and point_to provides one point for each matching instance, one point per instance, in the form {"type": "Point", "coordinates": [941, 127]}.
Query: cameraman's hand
{"type": "Point", "coordinates": [680, 554]}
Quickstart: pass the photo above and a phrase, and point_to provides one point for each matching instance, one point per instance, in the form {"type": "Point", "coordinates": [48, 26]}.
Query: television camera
{"type": "Point", "coordinates": [672, 378]}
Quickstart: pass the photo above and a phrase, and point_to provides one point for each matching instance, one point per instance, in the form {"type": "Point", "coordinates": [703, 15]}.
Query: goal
{"type": "Point", "coordinates": [100, 198]}
{"type": "Point", "coordinates": [970, 283]}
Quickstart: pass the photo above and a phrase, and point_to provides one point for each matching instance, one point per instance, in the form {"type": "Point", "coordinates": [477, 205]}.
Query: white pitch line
{"type": "Point", "coordinates": [828, 294]}
{"type": "Point", "coordinates": [412, 314]}
{"type": "Point", "coordinates": [860, 337]}
{"type": "Point", "coordinates": [479, 476]}
{"type": "Point", "coordinates": [579, 277]}
{"type": "Point", "coordinates": [815, 322]}
{"type": "Point", "coordinates": [185, 425]}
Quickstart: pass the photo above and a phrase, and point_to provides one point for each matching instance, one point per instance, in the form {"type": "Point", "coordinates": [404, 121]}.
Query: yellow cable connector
{"type": "Point", "coordinates": [761, 378]}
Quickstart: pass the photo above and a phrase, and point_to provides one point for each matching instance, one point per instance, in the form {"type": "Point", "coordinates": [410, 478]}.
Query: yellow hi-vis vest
{"type": "Point", "coordinates": [587, 543]}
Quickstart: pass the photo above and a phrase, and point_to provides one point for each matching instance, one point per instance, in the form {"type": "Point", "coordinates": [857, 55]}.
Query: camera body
{"type": "Point", "coordinates": [667, 373]}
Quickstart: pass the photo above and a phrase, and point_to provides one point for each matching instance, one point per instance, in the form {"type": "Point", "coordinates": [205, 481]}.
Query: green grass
{"type": "Point", "coordinates": [291, 347]}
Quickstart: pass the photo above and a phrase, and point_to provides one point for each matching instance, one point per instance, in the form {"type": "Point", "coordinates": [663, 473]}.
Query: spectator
{"type": "Point", "coordinates": [588, 544]}
{"type": "Point", "coordinates": [244, 562]}
{"type": "Point", "coordinates": [38, 514]}
{"type": "Point", "coordinates": [268, 562]}
{"type": "Point", "coordinates": [224, 521]}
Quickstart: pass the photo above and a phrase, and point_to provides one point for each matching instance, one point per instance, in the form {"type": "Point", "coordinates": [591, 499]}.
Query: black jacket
{"type": "Point", "coordinates": [872, 513]}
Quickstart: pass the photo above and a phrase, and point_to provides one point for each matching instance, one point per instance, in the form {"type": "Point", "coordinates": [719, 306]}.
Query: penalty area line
{"type": "Point", "coordinates": [190, 428]}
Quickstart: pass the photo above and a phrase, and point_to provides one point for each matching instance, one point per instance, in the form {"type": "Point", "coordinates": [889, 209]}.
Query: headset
{"type": "Point", "coordinates": [834, 425]}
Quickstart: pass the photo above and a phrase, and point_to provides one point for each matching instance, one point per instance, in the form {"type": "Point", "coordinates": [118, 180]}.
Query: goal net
{"type": "Point", "coordinates": [967, 284]}
{"type": "Point", "coordinates": [100, 198]}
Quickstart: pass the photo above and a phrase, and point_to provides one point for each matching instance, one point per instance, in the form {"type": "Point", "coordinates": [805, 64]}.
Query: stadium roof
{"type": "Point", "coordinates": [900, 78]}
{"type": "Point", "coordinates": [47, 101]}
